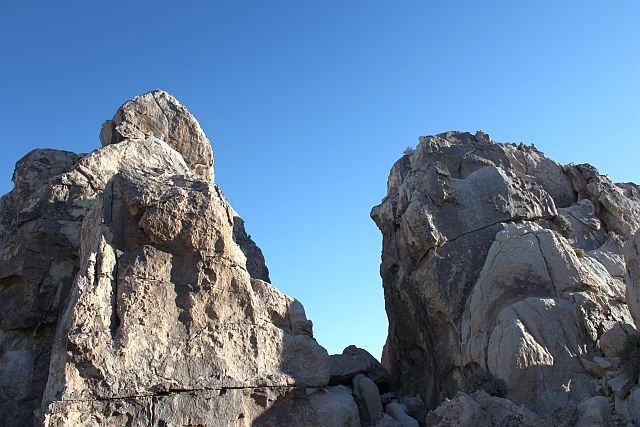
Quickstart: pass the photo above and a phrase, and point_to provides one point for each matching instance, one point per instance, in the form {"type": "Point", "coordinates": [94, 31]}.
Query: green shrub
{"type": "Point", "coordinates": [579, 252]}
{"type": "Point", "coordinates": [630, 356]}
{"type": "Point", "coordinates": [485, 380]}
{"type": "Point", "coordinates": [563, 224]}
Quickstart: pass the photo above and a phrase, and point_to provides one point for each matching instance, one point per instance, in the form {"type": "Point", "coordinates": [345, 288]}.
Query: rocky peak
{"type": "Point", "coordinates": [158, 114]}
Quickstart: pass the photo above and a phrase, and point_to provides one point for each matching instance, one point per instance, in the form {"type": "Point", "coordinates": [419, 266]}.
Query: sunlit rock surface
{"type": "Point", "coordinates": [132, 294]}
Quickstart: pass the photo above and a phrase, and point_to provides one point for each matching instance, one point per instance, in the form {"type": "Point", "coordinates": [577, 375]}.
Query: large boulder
{"type": "Point", "coordinates": [495, 257]}
{"type": "Point", "coordinates": [160, 115]}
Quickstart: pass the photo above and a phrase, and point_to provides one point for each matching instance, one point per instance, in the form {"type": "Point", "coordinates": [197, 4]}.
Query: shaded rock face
{"type": "Point", "coordinates": [256, 265]}
{"type": "Point", "coordinates": [497, 258]}
{"type": "Point", "coordinates": [632, 256]}
{"type": "Point", "coordinates": [131, 293]}
{"type": "Point", "coordinates": [38, 260]}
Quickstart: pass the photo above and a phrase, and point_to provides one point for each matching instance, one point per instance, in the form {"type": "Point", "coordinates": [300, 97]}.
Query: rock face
{"type": "Point", "coordinates": [497, 258]}
{"type": "Point", "coordinates": [38, 261]}
{"type": "Point", "coordinates": [130, 292]}
{"type": "Point", "coordinates": [632, 256]}
{"type": "Point", "coordinates": [163, 302]}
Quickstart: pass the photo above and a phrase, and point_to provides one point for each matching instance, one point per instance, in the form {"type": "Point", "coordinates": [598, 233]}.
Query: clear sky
{"type": "Point", "coordinates": [309, 103]}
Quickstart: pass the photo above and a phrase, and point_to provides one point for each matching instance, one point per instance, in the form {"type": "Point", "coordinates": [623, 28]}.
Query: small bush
{"type": "Point", "coordinates": [630, 356]}
{"type": "Point", "coordinates": [408, 151]}
{"type": "Point", "coordinates": [579, 252]}
{"type": "Point", "coordinates": [563, 224]}
{"type": "Point", "coordinates": [484, 380]}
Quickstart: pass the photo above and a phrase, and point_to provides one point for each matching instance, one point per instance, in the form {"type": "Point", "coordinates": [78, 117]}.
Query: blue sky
{"type": "Point", "coordinates": [308, 104]}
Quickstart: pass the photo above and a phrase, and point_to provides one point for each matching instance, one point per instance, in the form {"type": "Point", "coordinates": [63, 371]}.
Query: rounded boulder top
{"type": "Point", "coordinates": [159, 114]}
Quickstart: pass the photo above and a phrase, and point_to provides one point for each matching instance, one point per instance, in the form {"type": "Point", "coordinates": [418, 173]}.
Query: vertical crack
{"type": "Point", "coordinates": [546, 264]}
{"type": "Point", "coordinates": [115, 319]}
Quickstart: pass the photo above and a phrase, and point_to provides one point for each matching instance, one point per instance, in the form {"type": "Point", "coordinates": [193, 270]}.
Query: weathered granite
{"type": "Point", "coordinates": [160, 115]}
{"type": "Point", "coordinates": [132, 294]}
{"type": "Point", "coordinates": [495, 257]}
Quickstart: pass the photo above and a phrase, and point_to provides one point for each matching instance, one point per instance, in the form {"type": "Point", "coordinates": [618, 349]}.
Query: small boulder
{"type": "Point", "coordinates": [593, 368]}
{"type": "Point", "coordinates": [414, 406]}
{"type": "Point", "coordinates": [504, 412]}
{"type": "Point", "coordinates": [594, 412]}
{"type": "Point", "coordinates": [562, 417]}
{"type": "Point", "coordinates": [387, 421]}
{"type": "Point", "coordinates": [612, 341]}
{"type": "Point", "coordinates": [461, 411]}
{"type": "Point", "coordinates": [354, 361]}
{"type": "Point", "coordinates": [602, 362]}
{"type": "Point", "coordinates": [397, 412]}
{"type": "Point", "coordinates": [368, 399]}
{"type": "Point", "coordinates": [335, 406]}
{"type": "Point", "coordinates": [621, 385]}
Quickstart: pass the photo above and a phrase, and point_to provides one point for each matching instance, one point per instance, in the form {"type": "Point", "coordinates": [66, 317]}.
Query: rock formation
{"type": "Point", "coordinates": [496, 258]}
{"type": "Point", "coordinates": [130, 292]}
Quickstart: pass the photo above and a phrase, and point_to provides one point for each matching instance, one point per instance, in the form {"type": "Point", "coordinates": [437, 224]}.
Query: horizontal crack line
{"type": "Point", "coordinates": [170, 392]}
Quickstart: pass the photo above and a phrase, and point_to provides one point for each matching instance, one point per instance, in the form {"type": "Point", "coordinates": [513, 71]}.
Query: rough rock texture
{"type": "Point", "coordinates": [612, 341]}
{"type": "Point", "coordinates": [632, 257]}
{"type": "Point", "coordinates": [480, 409]}
{"type": "Point", "coordinates": [160, 115]}
{"type": "Point", "coordinates": [163, 301]}
{"type": "Point", "coordinates": [217, 408]}
{"type": "Point", "coordinates": [497, 258]}
{"type": "Point", "coordinates": [39, 234]}
{"type": "Point", "coordinates": [594, 412]}
{"type": "Point", "coordinates": [399, 415]}
{"type": "Point", "coordinates": [367, 397]}
{"type": "Point", "coordinates": [130, 293]}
